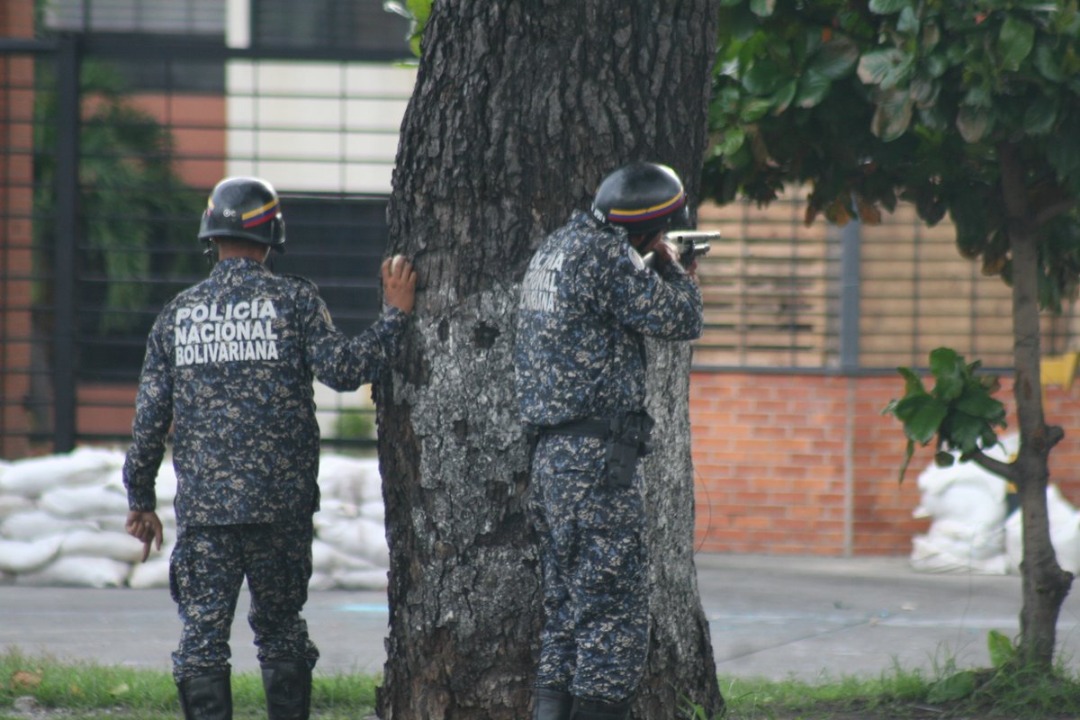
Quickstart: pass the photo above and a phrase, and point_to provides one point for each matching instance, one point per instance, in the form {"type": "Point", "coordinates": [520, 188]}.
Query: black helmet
{"type": "Point", "coordinates": [643, 197]}
{"type": "Point", "coordinates": [245, 208]}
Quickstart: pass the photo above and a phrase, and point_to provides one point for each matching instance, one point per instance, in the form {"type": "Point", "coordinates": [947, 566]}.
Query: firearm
{"type": "Point", "coordinates": [689, 245]}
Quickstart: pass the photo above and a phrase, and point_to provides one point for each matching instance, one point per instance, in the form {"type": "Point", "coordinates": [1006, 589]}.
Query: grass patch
{"type": "Point", "coordinates": [998, 694]}
{"type": "Point", "coordinates": [87, 691]}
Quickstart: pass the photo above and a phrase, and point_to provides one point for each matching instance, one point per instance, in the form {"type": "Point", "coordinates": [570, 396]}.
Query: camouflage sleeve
{"type": "Point", "coordinates": [153, 416]}
{"type": "Point", "coordinates": [665, 304]}
{"type": "Point", "coordinates": [345, 363]}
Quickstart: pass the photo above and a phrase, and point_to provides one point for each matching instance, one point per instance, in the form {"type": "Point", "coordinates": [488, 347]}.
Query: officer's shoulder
{"type": "Point", "coordinates": [299, 280]}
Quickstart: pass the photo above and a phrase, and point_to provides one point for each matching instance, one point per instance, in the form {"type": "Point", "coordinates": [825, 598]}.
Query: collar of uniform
{"type": "Point", "coordinates": [584, 218]}
{"type": "Point", "coordinates": [235, 270]}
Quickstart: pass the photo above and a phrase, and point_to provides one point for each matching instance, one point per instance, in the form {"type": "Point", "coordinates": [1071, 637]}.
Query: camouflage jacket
{"type": "Point", "coordinates": [587, 300]}
{"type": "Point", "coordinates": [229, 364]}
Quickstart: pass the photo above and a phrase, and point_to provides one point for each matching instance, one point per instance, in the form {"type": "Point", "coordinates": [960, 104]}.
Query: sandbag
{"type": "Point", "coordinates": [352, 480]}
{"type": "Point", "coordinates": [35, 524]}
{"type": "Point", "coordinates": [373, 579]}
{"type": "Point", "coordinates": [359, 537]}
{"type": "Point", "coordinates": [154, 573]}
{"type": "Point", "coordinates": [81, 502]}
{"type": "Point", "coordinates": [33, 477]}
{"type": "Point", "coordinates": [327, 558]}
{"type": "Point", "coordinates": [1064, 533]}
{"type": "Point", "coordinates": [106, 544]}
{"type": "Point", "coordinates": [11, 504]}
{"type": "Point", "coordinates": [22, 557]}
{"type": "Point", "coordinates": [967, 506]}
{"type": "Point", "coordinates": [75, 571]}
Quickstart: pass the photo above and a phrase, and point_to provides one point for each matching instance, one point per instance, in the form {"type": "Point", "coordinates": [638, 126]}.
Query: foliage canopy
{"type": "Point", "coordinates": [874, 102]}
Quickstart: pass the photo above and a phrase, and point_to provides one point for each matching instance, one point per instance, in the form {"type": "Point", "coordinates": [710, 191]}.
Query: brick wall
{"type": "Point", "coordinates": [807, 464]}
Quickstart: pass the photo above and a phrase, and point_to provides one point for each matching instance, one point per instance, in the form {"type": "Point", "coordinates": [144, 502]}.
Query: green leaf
{"type": "Point", "coordinates": [1002, 650]}
{"type": "Point", "coordinates": [893, 114]}
{"type": "Point", "coordinates": [978, 404]}
{"type": "Point", "coordinates": [1015, 41]}
{"type": "Point", "coordinates": [973, 123]}
{"type": "Point", "coordinates": [924, 91]}
{"type": "Point", "coordinates": [1041, 115]}
{"type": "Point", "coordinates": [783, 97]}
{"type": "Point", "coordinates": [909, 451]}
{"type": "Point", "coordinates": [812, 89]}
{"type": "Point", "coordinates": [763, 77]}
{"type": "Point", "coordinates": [733, 140]}
{"type": "Point", "coordinates": [887, 7]}
{"type": "Point", "coordinates": [885, 68]}
{"type": "Point", "coordinates": [955, 687]}
{"type": "Point", "coordinates": [762, 8]}
{"type": "Point", "coordinates": [948, 369]}
{"type": "Point", "coordinates": [912, 382]}
{"type": "Point", "coordinates": [835, 59]}
{"type": "Point", "coordinates": [922, 416]}
{"type": "Point", "coordinates": [1047, 64]}
{"type": "Point", "coordinates": [908, 22]}
{"type": "Point", "coordinates": [963, 432]}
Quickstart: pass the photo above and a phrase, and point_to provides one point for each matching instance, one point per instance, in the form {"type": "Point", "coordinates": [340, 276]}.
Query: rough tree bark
{"type": "Point", "coordinates": [520, 108]}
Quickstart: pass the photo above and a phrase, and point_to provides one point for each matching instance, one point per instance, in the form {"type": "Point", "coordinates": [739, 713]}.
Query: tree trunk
{"type": "Point", "coordinates": [1045, 584]}
{"type": "Point", "coordinates": [520, 108]}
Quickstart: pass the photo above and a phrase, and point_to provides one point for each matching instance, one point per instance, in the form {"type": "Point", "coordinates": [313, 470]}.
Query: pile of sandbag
{"type": "Point", "coordinates": [973, 528]}
{"type": "Point", "coordinates": [62, 523]}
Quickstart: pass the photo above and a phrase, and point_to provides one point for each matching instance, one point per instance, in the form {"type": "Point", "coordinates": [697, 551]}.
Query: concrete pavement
{"type": "Point", "coordinates": [775, 617]}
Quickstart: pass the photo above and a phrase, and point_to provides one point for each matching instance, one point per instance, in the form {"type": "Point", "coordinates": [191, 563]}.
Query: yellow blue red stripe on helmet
{"type": "Point", "coordinates": [260, 214]}
{"type": "Point", "coordinates": [664, 208]}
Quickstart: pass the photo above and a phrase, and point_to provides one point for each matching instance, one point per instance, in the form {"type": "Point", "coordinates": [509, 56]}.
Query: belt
{"type": "Point", "coordinates": [585, 427]}
{"type": "Point", "coordinates": [599, 427]}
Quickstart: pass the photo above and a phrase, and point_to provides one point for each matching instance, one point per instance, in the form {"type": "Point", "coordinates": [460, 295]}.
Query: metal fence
{"type": "Point", "coordinates": [118, 116]}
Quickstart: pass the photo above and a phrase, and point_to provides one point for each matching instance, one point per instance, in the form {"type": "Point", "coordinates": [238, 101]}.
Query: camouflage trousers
{"type": "Point", "coordinates": [206, 571]}
{"type": "Point", "coordinates": [595, 577]}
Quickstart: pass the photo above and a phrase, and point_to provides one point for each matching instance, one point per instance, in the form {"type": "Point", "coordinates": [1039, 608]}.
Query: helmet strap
{"type": "Point", "coordinates": [209, 251]}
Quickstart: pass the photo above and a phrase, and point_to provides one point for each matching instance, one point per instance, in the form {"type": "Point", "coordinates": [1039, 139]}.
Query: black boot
{"type": "Point", "coordinates": [598, 710]}
{"type": "Point", "coordinates": [206, 697]}
{"type": "Point", "coordinates": [288, 689]}
{"type": "Point", "coordinates": [551, 704]}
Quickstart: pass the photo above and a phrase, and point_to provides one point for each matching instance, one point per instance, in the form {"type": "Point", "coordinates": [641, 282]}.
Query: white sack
{"type": "Point", "coordinates": [934, 554]}
{"type": "Point", "coordinates": [81, 502]}
{"type": "Point", "coordinates": [374, 579]}
{"type": "Point", "coordinates": [154, 571]}
{"type": "Point", "coordinates": [359, 537]}
{"type": "Point", "coordinates": [1064, 533]}
{"type": "Point", "coordinates": [374, 509]}
{"type": "Point", "coordinates": [38, 524]}
{"type": "Point", "coordinates": [320, 581]}
{"type": "Point", "coordinates": [34, 476]}
{"type": "Point", "coordinates": [352, 480]}
{"type": "Point", "coordinates": [966, 504]}
{"type": "Point", "coordinates": [22, 557]}
{"type": "Point", "coordinates": [74, 571]}
{"type": "Point", "coordinates": [11, 504]}
{"type": "Point", "coordinates": [327, 558]}
{"type": "Point", "coordinates": [106, 544]}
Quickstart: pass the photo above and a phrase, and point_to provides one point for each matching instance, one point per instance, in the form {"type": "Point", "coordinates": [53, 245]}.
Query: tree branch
{"type": "Point", "coordinates": [1003, 470]}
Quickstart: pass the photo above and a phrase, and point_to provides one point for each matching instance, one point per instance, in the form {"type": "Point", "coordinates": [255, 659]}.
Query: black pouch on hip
{"type": "Point", "coordinates": [627, 441]}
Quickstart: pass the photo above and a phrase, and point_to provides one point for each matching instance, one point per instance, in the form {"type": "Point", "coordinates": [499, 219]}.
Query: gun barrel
{"type": "Point", "coordinates": [697, 236]}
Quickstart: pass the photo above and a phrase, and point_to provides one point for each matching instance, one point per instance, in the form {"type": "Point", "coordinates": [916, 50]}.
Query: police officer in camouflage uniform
{"type": "Point", "coordinates": [587, 300]}
{"type": "Point", "coordinates": [230, 363]}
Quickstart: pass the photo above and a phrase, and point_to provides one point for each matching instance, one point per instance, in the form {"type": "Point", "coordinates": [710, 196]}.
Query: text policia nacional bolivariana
{"type": "Point", "coordinates": [233, 332]}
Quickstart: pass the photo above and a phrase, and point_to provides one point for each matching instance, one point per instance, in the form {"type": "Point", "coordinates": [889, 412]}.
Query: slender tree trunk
{"type": "Point", "coordinates": [520, 108]}
{"type": "Point", "coordinates": [1045, 584]}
